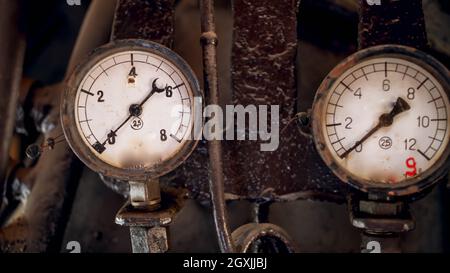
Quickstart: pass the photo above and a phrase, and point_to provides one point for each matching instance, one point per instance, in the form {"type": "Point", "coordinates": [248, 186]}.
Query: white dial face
{"type": "Point", "coordinates": [133, 109]}
{"type": "Point", "coordinates": [386, 120]}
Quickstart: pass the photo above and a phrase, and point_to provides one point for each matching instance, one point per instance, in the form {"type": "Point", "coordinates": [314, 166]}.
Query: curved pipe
{"type": "Point", "coordinates": [209, 43]}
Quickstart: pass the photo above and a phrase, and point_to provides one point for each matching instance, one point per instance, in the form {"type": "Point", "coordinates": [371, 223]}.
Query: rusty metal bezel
{"type": "Point", "coordinates": [384, 191]}
{"type": "Point", "coordinates": [245, 235]}
{"type": "Point", "coordinates": [68, 114]}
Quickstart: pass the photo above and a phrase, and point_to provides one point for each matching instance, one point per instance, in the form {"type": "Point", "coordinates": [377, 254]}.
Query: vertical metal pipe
{"type": "Point", "coordinates": [209, 42]}
{"type": "Point", "coordinates": [12, 51]}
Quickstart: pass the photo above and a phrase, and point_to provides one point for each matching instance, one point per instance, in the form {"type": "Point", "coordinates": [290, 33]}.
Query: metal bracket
{"type": "Point", "coordinates": [381, 222]}
{"type": "Point", "coordinates": [148, 213]}
{"type": "Point", "coordinates": [145, 195]}
{"type": "Point", "coordinates": [149, 240]}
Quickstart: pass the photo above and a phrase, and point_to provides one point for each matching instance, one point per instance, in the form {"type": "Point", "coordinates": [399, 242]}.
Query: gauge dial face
{"type": "Point", "coordinates": [134, 109]}
{"type": "Point", "coordinates": [385, 120]}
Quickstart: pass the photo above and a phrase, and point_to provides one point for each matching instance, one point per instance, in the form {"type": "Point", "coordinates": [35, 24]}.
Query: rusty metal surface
{"type": "Point", "coordinates": [54, 180]}
{"type": "Point", "coordinates": [130, 216]}
{"type": "Point", "coordinates": [149, 240]}
{"type": "Point", "coordinates": [145, 195]}
{"type": "Point", "coordinates": [263, 62]}
{"type": "Point", "coordinates": [172, 200]}
{"type": "Point", "coordinates": [148, 226]}
{"type": "Point", "coordinates": [380, 217]}
{"type": "Point", "coordinates": [248, 236]}
{"type": "Point", "coordinates": [381, 224]}
{"type": "Point", "coordinates": [12, 51]}
{"type": "Point", "coordinates": [263, 65]}
{"type": "Point", "coordinates": [144, 19]}
{"type": "Point", "coordinates": [392, 22]}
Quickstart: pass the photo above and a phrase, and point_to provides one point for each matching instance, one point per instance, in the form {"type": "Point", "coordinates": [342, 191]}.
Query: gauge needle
{"type": "Point", "coordinates": [385, 120]}
{"type": "Point", "coordinates": [155, 89]}
{"type": "Point", "coordinates": [136, 109]}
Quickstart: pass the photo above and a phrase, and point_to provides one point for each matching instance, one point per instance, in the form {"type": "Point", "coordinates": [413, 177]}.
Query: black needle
{"type": "Point", "coordinates": [385, 120]}
{"type": "Point", "coordinates": [155, 89]}
{"type": "Point", "coordinates": [136, 109]}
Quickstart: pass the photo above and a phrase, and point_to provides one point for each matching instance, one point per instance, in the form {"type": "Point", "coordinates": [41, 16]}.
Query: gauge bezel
{"type": "Point", "coordinates": [74, 138]}
{"type": "Point", "coordinates": [411, 185]}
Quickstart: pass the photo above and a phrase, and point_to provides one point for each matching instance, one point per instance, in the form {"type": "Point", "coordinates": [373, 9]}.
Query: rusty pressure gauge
{"type": "Point", "coordinates": [129, 110]}
{"type": "Point", "coordinates": [381, 120]}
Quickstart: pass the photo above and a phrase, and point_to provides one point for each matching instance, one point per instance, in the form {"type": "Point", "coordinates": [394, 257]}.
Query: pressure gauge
{"type": "Point", "coordinates": [132, 110]}
{"type": "Point", "coordinates": [380, 120]}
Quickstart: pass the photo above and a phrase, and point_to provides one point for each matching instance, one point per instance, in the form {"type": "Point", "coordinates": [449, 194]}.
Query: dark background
{"type": "Point", "coordinates": [52, 28]}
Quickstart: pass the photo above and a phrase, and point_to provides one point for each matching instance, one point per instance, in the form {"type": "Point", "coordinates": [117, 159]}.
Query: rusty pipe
{"type": "Point", "coordinates": [216, 183]}
{"type": "Point", "coordinates": [12, 52]}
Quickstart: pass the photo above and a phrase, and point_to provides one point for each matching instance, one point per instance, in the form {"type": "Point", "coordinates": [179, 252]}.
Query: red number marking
{"type": "Point", "coordinates": [412, 166]}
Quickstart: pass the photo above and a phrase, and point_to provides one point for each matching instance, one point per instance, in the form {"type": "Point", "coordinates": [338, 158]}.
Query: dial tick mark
{"type": "Point", "coordinates": [174, 137]}
{"type": "Point", "coordinates": [424, 155]}
{"type": "Point", "coordinates": [334, 124]}
{"type": "Point", "coordinates": [87, 92]}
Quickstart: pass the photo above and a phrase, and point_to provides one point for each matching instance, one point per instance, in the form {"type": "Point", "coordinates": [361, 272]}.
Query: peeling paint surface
{"type": "Point", "coordinates": [263, 72]}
